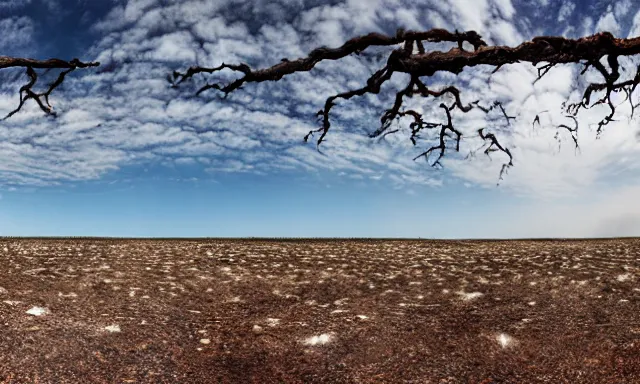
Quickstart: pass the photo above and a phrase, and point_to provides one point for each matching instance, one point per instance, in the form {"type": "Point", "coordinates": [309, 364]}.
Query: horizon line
{"type": "Point", "coordinates": [284, 238]}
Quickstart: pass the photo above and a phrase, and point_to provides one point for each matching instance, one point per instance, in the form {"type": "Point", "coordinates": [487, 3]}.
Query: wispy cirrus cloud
{"type": "Point", "coordinates": [17, 35]}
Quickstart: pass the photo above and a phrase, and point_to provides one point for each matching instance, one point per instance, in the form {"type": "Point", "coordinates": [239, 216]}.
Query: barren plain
{"type": "Point", "coordinates": [374, 311]}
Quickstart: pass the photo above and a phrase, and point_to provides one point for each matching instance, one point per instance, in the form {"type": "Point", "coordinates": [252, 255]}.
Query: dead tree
{"type": "Point", "coordinates": [413, 58]}
{"type": "Point", "coordinates": [27, 92]}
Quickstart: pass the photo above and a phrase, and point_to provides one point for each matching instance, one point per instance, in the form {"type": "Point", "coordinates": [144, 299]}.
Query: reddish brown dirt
{"type": "Point", "coordinates": [393, 311]}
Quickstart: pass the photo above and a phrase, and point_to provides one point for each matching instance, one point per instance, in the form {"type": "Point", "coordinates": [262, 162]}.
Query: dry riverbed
{"type": "Point", "coordinates": [236, 311]}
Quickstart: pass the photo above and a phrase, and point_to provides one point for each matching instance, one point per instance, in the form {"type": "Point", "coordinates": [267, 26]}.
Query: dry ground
{"type": "Point", "coordinates": [143, 311]}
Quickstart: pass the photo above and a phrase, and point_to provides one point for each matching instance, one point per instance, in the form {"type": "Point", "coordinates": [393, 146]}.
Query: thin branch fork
{"type": "Point", "coordinates": [26, 91]}
{"type": "Point", "coordinates": [441, 147]}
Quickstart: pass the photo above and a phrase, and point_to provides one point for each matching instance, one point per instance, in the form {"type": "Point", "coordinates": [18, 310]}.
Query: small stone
{"type": "Point", "coordinates": [72, 294]}
{"type": "Point", "coordinates": [112, 328]}
{"type": "Point", "coordinates": [3, 291]}
{"type": "Point", "coordinates": [205, 341]}
{"type": "Point", "coordinates": [469, 296]}
{"type": "Point", "coordinates": [257, 329]}
{"type": "Point", "coordinates": [37, 311]}
{"type": "Point", "coordinates": [504, 340]}
{"type": "Point", "coordinates": [272, 322]}
{"type": "Point", "coordinates": [318, 340]}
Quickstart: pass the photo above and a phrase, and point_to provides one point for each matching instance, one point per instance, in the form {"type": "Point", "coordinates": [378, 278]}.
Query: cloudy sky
{"type": "Point", "coordinates": [130, 156]}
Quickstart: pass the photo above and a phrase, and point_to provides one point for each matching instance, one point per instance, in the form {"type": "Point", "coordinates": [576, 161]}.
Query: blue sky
{"type": "Point", "coordinates": [129, 156]}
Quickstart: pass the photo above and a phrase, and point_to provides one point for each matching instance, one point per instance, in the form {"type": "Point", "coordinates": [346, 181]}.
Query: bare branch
{"type": "Point", "coordinates": [26, 91]}
{"type": "Point", "coordinates": [543, 71]}
{"type": "Point", "coordinates": [550, 50]}
{"type": "Point", "coordinates": [441, 147]}
{"type": "Point", "coordinates": [494, 145]}
{"type": "Point", "coordinates": [496, 104]}
{"type": "Point", "coordinates": [373, 86]}
{"type": "Point", "coordinates": [572, 130]}
{"type": "Point", "coordinates": [418, 124]}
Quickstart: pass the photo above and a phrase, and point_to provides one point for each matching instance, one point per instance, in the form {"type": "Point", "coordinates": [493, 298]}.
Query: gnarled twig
{"type": "Point", "coordinates": [26, 91]}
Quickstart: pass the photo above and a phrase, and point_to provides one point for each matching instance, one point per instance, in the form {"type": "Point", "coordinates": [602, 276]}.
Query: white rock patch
{"type": "Point", "coordinates": [504, 340]}
{"type": "Point", "coordinates": [272, 322]}
{"type": "Point", "coordinates": [37, 311]}
{"type": "Point", "coordinates": [112, 328]}
{"type": "Point", "coordinates": [318, 340]}
{"type": "Point", "coordinates": [468, 296]}
{"type": "Point", "coordinates": [623, 277]}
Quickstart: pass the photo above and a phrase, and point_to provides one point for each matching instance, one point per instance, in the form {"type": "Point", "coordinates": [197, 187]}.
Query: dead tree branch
{"type": "Point", "coordinates": [413, 58]}
{"type": "Point", "coordinates": [26, 91]}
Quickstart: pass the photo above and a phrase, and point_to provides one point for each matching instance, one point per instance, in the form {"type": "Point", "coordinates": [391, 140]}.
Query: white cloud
{"type": "Point", "coordinates": [634, 31]}
{"type": "Point", "coordinates": [471, 17]}
{"type": "Point", "coordinates": [613, 211]}
{"type": "Point", "coordinates": [408, 18]}
{"type": "Point", "coordinates": [13, 4]}
{"type": "Point", "coordinates": [566, 10]}
{"type": "Point", "coordinates": [17, 35]}
{"type": "Point", "coordinates": [608, 23]}
{"type": "Point", "coordinates": [506, 8]}
{"type": "Point", "coordinates": [177, 46]}
{"type": "Point", "coordinates": [542, 168]}
{"type": "Point", "coordinates": [505, 33]}
{"type": "Point", "coordinates": [622, 7]}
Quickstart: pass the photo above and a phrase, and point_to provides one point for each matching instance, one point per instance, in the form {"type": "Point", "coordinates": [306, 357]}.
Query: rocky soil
{"type": "Point", "coordinates": [257, 311]}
